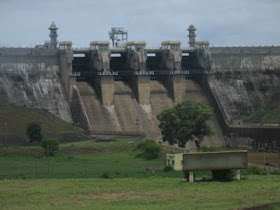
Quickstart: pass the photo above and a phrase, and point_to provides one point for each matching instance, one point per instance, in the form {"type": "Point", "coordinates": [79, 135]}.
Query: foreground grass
{"type": "Point", "coordinates": [127, 193]}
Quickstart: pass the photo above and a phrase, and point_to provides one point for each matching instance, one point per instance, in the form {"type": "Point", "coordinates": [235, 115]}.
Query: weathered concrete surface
{"type": "Point", "coordinates": [241, 93]}
{"type": "Point", "coordinates": [141, 88]}
{"type": "Point", "coordinates": [177, 87]}
{"type": "Point", "coordinates": [65, 65]}
{"type": "Point", "coordinates": [195, 94]}
{"type": "Point", "coordinates": [99, 118]}
{"type": "Point", "coordinates": [124, 116]}
{"type": "Point", "coordinates": [104, 85]}
{"type": "Point", "coordinates": [245, 58]}
{"type": "Point", "coordinates": [30, 78]}
{"type": "Point", "coordinates": [215, 160]}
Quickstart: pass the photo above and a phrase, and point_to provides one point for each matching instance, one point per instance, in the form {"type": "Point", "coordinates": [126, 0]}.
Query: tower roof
{"type": "Point", "coordinates": [191, 28]}
{"type": "Point", "coordinates": [53, 26]}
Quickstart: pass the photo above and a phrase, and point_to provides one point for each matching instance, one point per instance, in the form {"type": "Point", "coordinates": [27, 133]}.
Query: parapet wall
{"type": "Point", "coordinates": [245, 58]}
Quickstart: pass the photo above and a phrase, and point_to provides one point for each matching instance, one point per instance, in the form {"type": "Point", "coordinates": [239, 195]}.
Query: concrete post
{"type": "Point", "coordinates": [238, 174]}
{"type": "Point", "coordinates": [191, 177]}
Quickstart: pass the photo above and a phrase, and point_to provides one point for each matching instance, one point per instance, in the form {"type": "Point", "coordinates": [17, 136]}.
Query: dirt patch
{"type": "Point", "coordinates": [79, 150]}
{"type": "Point", "coordinates": [264, 206]}
{"type": "Point", "coordinates": [260, 157]}
{"type": "Point", "coordinates": [117, 149]}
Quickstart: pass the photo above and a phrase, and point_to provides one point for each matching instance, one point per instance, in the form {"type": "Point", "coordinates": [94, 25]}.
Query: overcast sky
{"type": "Point", "coordinates": [222, 22]}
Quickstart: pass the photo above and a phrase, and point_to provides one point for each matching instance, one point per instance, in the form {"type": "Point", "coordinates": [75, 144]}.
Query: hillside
{"type": "Point", "coordinates": [17, 120]}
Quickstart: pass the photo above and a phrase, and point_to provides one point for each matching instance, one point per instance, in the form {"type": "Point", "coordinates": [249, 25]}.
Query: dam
{"type": "Point", "coordinates": [120, 90]}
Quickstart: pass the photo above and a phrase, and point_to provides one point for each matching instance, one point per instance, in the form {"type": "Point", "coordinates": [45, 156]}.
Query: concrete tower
{"type": "Point", "coordinates": [192, 35]}
{"type": "Point", "coordinates": [53, 35]}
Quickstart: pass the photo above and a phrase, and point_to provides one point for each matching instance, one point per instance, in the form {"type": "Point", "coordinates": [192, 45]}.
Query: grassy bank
{"type": "Point", "coordinates": [86, 159]}
{"type": "Point", "coordinates": [17, 119]}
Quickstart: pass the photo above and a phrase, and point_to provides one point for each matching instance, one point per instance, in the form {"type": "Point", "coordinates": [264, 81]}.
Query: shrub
{"type": "Point", "coordinates": [33, 131]}
{"type": "Point", "coordinates": [226, 175]}
{"type": "Point", "coordinates": [149, 149]}
{"type": "Point", "coordinates": [106, 175]}
{"type": "Point", "coordinates": [50, 146]}
{"type": "Point", "coordinates": [167, 168]}
{"type": "Point", "coordinates": [208, 149]}
{"type": "Point", "coordinates": [255, 170]}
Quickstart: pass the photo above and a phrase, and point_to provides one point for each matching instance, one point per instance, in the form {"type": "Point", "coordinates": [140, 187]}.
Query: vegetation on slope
{"type": "Point", "coordinates": [17, 120]}
{"type": "Point", "coordinates": [269, 114]}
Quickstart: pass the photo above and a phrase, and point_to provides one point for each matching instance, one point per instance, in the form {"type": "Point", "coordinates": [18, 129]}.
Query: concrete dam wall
{"type": "Point", "coordinates": [245, 58]}
{"type": "Point", "coordinates": [245, 95]}
{"type": "Point", "coordinates": [30, 78]}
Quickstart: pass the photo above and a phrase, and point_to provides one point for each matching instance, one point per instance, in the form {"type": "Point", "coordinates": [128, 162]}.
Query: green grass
{"type": "Point", "coordinates": [129, 193]}
{"type": "Point", "coordinates": [73, 180]}
{"type": "Point", "coordinates": [86, 159]}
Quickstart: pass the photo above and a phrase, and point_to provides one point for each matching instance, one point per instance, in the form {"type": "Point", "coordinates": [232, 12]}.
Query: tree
{"type": "Point", "coordinates": [50, 146]}
{"type": "Point", "coordinates": [184, 122]}
{"type": "Point", "coordinates": [33, 131]}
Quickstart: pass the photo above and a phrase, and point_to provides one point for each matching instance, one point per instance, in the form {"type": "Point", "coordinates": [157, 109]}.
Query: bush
{"type": "Point", "coordinates": [50, 146]}
{"type": "Point", "coordinates": [106, 175]}
{"type": "Point", "coordinates": [226, 175]}
{"type": "Point", "coordinates": [168, 168]}
{"type": "Point", "coordinates": [33, 131]}
{"type": "Point", "coordinates": [255, 170]}
{"type": "Point", "coordinates": [149, 148]}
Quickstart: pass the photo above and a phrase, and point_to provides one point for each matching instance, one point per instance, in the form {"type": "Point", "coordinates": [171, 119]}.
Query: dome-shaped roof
{"type": "Point", "coordinates": [53, 26]}
{"type": "Point", "coordinates": [191, 27]}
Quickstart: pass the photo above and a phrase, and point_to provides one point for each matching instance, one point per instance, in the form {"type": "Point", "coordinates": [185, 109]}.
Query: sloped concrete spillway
{"type": "Point", "coordinates": [127, 116]}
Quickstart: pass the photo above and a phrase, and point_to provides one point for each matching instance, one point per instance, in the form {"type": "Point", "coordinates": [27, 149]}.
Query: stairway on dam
{"type": "Point", "coordinates": [127, 116]}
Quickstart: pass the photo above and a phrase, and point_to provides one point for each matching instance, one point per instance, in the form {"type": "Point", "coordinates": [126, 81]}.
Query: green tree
{"type": "Point", "coordinates": [50, 146]}
{"type": "Point", "coordinates": [33, 131]}
{"type": "Point", "coordinates": [184, 122]}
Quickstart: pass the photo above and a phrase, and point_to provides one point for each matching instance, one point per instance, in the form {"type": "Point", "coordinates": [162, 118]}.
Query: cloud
{"type": "Point", "coordinates": [222, 22]}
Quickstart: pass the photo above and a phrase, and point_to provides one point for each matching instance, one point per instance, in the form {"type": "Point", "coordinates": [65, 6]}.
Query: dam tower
{"type": "Point", "coordinates": [192, 35]}
{"type": "Point", "coordinates": [53, 35]}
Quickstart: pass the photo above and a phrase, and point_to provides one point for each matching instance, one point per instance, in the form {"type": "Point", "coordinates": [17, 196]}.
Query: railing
{"type": "Point", "coordinates": [178, 72]}
{"type": "Point", "coordinates": [144, 73]}
{"type": "Point", "coordinates": [107, 73]}
{"type": "Point", "coordinates": [74, 74]}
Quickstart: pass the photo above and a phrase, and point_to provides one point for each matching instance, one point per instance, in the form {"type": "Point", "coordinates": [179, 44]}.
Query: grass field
{"type": "Point", "coordinates": [75, 179]}
{"type": "Point", "coordinates": [133, 193]}
{"type": "Point", "coordinates": [86, 159]}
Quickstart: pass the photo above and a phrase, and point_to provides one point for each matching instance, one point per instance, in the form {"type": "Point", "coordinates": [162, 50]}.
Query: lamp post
{"type": "Point", "coordinates": [6, 126]}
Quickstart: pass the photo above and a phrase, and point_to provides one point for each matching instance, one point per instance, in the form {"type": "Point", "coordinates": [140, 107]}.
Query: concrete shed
{"type": "Point", "coordinates": [175, 160]}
